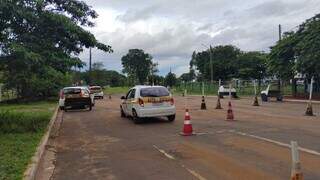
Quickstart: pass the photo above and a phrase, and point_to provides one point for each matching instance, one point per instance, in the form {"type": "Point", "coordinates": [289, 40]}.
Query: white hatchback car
{"type": "Point", "coordinates": [97, 92]}
{"type": "Point", "coordinates": [148, 101]}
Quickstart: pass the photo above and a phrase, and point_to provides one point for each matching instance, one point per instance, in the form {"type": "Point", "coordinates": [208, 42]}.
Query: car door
{"type": "Point", "coordinates": [124, 103]}
{"type": "Point", "coordinates": [130, 101]}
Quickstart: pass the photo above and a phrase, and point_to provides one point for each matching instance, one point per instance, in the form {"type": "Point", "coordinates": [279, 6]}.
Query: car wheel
{"type": "Point", "coordinates": [264, 97]}
{"type": "Point", "coordinates": [135, 117]}
{"type": "Point", "coordinates": [65, 110]}
{"type": "Point", "coordinates": [171, 118]}
{"type": "Point", "coordinates": [122, 113]}
{"type": "Point", "coordinates": [279, 98]}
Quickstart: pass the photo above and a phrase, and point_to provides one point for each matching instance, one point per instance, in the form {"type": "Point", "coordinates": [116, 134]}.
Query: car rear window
{"type": "Point", "coordinates": [72, 91]}
{"type": "Point", "coordinates": [96, 88]}
{"type": "Point", "coordinates": [154, 92]}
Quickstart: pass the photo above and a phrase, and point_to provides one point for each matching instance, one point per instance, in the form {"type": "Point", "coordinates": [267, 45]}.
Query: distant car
{"type": "Point", "coordinates": [148, 101]}
{"type": "Point", "coordinates": [223, 91]}
{"type": "Point", "coordinates": [97, 92]}
{"type": "Point", "coordinates": [76, 97]}
{"type": "Point", "coordinates": [271, 91]}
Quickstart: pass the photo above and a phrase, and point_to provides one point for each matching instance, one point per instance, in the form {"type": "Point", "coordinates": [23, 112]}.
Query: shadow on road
{"type": "Point", "coordinates": [148, 121]}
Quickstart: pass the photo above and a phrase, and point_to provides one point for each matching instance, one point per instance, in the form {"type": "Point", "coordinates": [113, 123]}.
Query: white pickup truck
{"type": "Point", "coordinates": [222, 91]}
{"type": "Point", "coordinates": [271, 91]}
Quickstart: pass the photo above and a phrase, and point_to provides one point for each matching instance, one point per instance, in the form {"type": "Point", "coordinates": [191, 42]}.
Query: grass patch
{"type": "Point", "coordinates": [41, 106]}
{"type": "Point", "coordinates": [116, 90]}
{"type": "Point", "coordinates": [16, 151]}
{"type": "Point", "coordinates": [23, 122]}
{"type": "Point", "coordinates": [21, 128]}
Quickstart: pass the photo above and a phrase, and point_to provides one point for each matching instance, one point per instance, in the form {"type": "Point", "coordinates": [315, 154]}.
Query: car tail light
{"type": "Point", "coordinates": [61, 95]}
{"type": "Point", "coordinates": [172, 101]}
{"type": "Point", "coordinates": [141, 103]}
{"type": "Point", "coordinates": [81, 93]}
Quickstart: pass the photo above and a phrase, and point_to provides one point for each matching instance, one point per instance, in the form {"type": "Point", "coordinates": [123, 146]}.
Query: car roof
{"type": "Point", "coordinates": [76, 87]}
{"type": "Point", "coordinates": [145, 86]}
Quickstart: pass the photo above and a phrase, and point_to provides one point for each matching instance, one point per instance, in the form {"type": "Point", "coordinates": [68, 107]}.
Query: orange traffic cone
{"type": "Point", "coordinates": [187, 127]}
{"type": "Point", "coordinates": [255, 101]}
{"type": "Point", "coordinates": [309, 111]}
{"type": "Point", "coordinates": [218, 103]}
{"type": "Point", "coordinates": [230, 116]}
{"type": "Point", "coordinates": [203, 104]}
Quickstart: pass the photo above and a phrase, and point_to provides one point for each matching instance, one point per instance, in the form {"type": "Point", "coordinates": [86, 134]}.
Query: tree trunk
{"type": "Point", "coordinates": [279, 84]}
{"type": "Point", "coordinates": [294, 87]}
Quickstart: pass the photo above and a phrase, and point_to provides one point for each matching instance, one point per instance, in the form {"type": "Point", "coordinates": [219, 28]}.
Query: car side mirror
{"type": "Point", "coordinates": [122, 97]}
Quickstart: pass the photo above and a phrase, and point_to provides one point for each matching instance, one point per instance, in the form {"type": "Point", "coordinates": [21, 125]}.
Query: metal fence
{"type": "Point", "coordinates": [243, 87]}
{"type": "Point", "coordinates": [7, 94]}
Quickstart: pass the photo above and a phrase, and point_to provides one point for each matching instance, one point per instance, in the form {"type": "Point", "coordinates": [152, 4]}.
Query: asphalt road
{"type": "Point", "coordinates": [101, 145]}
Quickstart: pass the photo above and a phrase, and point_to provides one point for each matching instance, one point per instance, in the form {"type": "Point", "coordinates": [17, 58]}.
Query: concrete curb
{"type": "Point", "coordinates": [31, 171]}
{"type": "Point", "coordinates": [249, 97]}
{"type": "Point", "coordinates": [301, 101]}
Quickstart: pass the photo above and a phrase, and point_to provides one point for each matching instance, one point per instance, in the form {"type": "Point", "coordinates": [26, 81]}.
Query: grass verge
{"type": "Point", "coordinates": [116, 90]}
{"type": "Point", "coordinates": [21, 128]}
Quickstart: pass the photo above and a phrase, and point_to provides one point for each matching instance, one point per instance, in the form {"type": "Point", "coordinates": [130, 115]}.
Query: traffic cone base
{"type": "Point", "coordinates": [255, 102]}
{"type": "Point", "coordinates": [203, 104]}
{"type": "Point", "coordinates": [187, 127]}
{"type": "Point", "coordinates": [297, 176]}
{"type": "Point", "coordinates": [309, 111]}
{"type": "Point", "coordinates": [230, 116]}
{"type": "Point", "coordinates": [218, 103]}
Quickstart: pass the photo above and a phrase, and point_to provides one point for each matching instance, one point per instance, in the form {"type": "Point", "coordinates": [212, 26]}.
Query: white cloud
{"type": "Point", "coordinates": [171, 30]}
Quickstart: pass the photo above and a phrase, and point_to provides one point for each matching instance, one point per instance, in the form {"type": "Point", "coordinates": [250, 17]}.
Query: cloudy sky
{"type": "Point", "coordinates": [170, 30]}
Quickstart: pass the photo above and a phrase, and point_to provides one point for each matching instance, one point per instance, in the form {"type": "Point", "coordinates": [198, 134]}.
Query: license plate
{"type": "Point", "coordinates": [157, 104]}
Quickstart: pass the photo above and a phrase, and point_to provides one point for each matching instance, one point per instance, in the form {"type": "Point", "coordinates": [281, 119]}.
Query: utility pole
{"type": "Point", "coordinates": [280, 37]}
{"type": "Point", "coordinates": [90, 64]}
{"type": "Point", "coordinates": [211, 68]}
{"type": "Point", "coordinates": [280, 32]}
{"type": "Point", "coordinates": [90, 59]}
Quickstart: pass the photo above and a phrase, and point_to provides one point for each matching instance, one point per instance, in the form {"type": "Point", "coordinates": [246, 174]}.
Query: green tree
{"type": "Point", "coordinates": [307, 50]}
{"type": "Point", "coordinates": [281, 60]}
{"type": "Point", "coordinates": [40, 41]}
{"type": "Point", "coordinates": [224, 62]}
{"type": "Point", "coordinates": [137, 64]}
{"type": "Point", "coordinates": [170, 79]}
{"type": "Point", "coordinates": [252, 65]}
{"type": "Point", "coordinates": [298, 52]}
{"type": "Point", "coordinates": [188, 77]}
{"type": "Point", "coordinates": [156, 79]}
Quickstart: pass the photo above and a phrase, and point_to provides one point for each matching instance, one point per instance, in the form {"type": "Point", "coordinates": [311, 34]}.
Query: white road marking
{"type": "Point", "coordinates": [313, 152]}
{"type": "Point", "coordinates": [163, 152]}
{"type": "Point", "coordinates": [195, 174]}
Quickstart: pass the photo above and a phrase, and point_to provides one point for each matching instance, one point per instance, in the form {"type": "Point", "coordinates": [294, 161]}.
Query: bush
{"type": "Point", "coordinates": [23, 122]}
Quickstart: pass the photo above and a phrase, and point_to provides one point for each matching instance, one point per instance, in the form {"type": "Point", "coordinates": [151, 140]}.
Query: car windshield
{"type": "Point", "coordinates": [154, 92]}
{"type": "Point", "coordinates": [72, 91]}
